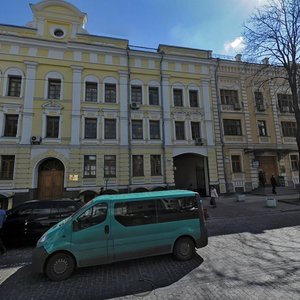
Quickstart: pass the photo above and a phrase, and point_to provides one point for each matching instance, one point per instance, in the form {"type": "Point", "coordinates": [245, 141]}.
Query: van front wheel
{"type": "Point", "coordinates": [60, 266]}
{"type": "Point", "coordinates": [184, 249]}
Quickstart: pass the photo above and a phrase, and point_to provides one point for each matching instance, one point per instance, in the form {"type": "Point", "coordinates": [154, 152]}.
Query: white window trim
{"type": "Point", "coordinates": [44, 131]}
{"type": "Point", "coordinates": [111, 80]}
{"type": "Point", "coordinates": [153, 84]}
{"type": "Point", "coordinates": [13, 72]}
{"type": "Point", "coordinates": [155, 141]}
{"type": "Point", "coordinates": [110, 141]}
{"type": "Point", "coordinates": [62, 28]}
{"type": "Point", "coordinates": [54, 75]}
{"type": "Point", "coordinates": [91, 78]}
{"type": "Point", "coordinates": [185, 132]}
{"type": "Point", "coordinates": [138, 141]}
{"type": "Point", "coordinates": [90, 141]}
{"type": "Point", "coordinates": [179, 86]}
{"type": "Point", "coordinates": [139, 83]}
{"type": "Point", "coordinates": [197, 89]}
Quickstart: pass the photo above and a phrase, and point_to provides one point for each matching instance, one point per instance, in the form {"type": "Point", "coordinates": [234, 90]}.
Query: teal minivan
{"type": "Point", "coordinates": [112, 228]}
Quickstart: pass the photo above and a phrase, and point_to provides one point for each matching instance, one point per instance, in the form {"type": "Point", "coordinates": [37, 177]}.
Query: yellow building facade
{"type": "Point", "coordinates": [83, 114]}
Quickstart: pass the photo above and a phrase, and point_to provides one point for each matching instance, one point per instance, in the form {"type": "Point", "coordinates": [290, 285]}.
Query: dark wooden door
{"type": "Point", "coordinates": [51, 184]}
{"type": "Point", "coordinates": [269, 165]}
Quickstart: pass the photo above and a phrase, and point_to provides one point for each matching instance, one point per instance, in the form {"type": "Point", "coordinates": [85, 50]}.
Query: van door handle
{"type": "Point", "coordinates": [106, 229]}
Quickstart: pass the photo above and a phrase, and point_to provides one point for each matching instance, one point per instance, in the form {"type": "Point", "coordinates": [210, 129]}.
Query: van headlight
{"type": "Point", "coordinates": [43, 238]}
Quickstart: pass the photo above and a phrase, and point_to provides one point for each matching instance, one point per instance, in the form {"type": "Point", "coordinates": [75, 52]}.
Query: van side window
{"type": "Point", "coordinates": [135, 213]}
{"type": "Point", "coordinates": [176, 209]}
{"type": "Point", "coordinates": [93, 216]}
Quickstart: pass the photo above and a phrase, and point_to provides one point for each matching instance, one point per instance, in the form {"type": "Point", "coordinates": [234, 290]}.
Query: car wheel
{"type": "Point", "coordinates": [184, 248]}
{"type": "Point", "coordinates": [60, 266]}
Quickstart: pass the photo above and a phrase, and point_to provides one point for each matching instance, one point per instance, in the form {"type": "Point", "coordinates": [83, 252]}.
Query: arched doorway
{"type": "Point", "coordinates": [51, 179]}
{"type": "Point", "coordinates": [190, 172]}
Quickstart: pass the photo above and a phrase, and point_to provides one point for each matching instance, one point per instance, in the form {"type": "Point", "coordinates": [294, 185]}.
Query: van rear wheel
{"type": "Point", "coordinates": [60, 266]}
{"type": "Point", "coordinates": [184, 248]}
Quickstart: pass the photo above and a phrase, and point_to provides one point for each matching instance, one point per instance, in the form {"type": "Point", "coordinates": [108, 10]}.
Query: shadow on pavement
{"type": "Point", "coordinates": [255, 224]}
{"type": "Point", "coordinates": [136, 277]}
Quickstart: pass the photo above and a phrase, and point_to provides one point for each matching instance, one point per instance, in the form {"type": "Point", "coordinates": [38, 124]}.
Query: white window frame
{"type": "Point", "coordinates": [13, 72]}
{"type": "Point", "coordinates": [111, 80]}
{"type": "Point", "coordinates": [54, 75]}
{"type": "Point", "coordinates": [94, 79]}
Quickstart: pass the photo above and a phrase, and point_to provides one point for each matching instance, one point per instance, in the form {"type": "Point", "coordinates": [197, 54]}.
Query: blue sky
{"type": "Point", "coordinates": [204, 24]}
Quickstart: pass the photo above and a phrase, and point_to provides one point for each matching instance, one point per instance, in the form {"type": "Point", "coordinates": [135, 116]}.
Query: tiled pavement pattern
{"type": "Point", "coordinates": [252, 254]}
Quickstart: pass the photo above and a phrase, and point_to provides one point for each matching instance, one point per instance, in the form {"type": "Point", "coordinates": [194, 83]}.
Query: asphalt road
{"type": "Point", "coordinates": [248, 257]}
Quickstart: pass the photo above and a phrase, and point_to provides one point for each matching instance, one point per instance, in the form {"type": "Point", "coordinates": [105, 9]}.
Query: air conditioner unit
{"type": "Point", "coordinates": [261, 108]}
{"type": "Point", "coordinates": [36, 140]}
{"type": "Point", "coordinates": [135, 105]}
{"type": "Point", "coordinates": [199, 141]}
{"type": "Point", "coordinates": [237, 106]}
{"type": "Point", "coordinates": [284, 109]}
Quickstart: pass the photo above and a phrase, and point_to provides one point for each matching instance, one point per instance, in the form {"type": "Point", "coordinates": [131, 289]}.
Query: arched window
{"type": "Point", "coordinates": [13, 83]}
{"type": "Point", "coordinates": [110, 93]}
{"type": "Point", "coordinates": [91, 89]}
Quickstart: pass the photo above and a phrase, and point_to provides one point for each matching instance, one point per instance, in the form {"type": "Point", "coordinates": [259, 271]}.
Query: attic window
{"type": "Point", "coordinates": [59, 33]}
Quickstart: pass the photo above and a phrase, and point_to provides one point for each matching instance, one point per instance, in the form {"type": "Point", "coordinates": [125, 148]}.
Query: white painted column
{"type": "Point", "coordinates": [123, 108]}
{"type": "Point", "coordinates": [166, 109]}
{"type": "Point", "coordinates": [26, 131]}
{"type": "Point", "coordinates": [76, 99]}
{"type": "Point", "coordinates": [207, 113]}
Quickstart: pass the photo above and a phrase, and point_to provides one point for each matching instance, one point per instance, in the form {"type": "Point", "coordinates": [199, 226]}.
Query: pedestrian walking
{"type": "Point", "coordinates": [213, 196]}
{"type": "Point", "coordinates": [2, 220]}
{"type": "Point", "coordinates": [274, 184]}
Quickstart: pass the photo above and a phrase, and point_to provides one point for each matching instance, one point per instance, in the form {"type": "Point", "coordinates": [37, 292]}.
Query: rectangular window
{"type": "Point", "coordinates": [89, 170]}
{"type": "Point", "coordinates": [262, 129]}
{"type": "Point", "coordinates": [137, 129]}
{"type": "Point", "coordinates": [14, 86]}
{"type": "Point", "coordinates": [232, 127]}
{"type": "Point", "coordinates": [154, 130]}
{"type": "Point", "coordinates": [178, 97]}
{"type": "Point", "coordinates": [153, 96]}
{"type": "Point", "coordinates": [110, 129]}
{"type": "Point", "coordinates": [289, 129]}
{"type": "Point", "coordinates": [195, 126]}
{"type": "Point", "coordinates": [54, 86]}
{"type": "Point", "coordinates": [193, 98]}
{"type": "Point", "coordinates": [109, 166]}
{"type": "Point", "coordinates": [236, 164]}
{"type": "Point", "coordinates": [294, 162]}
{"type": "Point", "coordinates": [90, 128]}
{"type": "Point", "coordinates": [259, 100]}
{"type": "Point", "coordinates": [229, 97]}
{"type": "Point", "coordinates": [179, 131]}
{"type": "Point", "coordinates": [136, 94]}
{"type": "Point", "coordinates": [7, 163]}
{"type": "Point", "coordinates": [110, 93]}
{"type": "Point", "coordinates": [91, 91]}
{"type": "Point", "coordinates": [137, 165]}
{"type": "Point", "coordinates": [155, 165]}
{"type": "Point", "coordinates": [11, 125]}
{"type": "Point", "coordinates": [52, 127]}
{"type": "Point", "coordinates": [285, 103]}
{"type": "Point", "coordinates": [139, 213]}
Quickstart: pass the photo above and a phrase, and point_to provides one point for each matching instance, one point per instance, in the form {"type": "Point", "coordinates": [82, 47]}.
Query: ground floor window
{"type": "Point", "coordinates": [7, 163]}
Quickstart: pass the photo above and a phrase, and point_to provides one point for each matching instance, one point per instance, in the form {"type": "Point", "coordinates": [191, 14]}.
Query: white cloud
{"type": "Point", "coordinates": [235, 46]}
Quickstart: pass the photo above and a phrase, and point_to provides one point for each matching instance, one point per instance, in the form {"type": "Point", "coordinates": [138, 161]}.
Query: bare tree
{"type": "Point", "coordinates": [273, 31]}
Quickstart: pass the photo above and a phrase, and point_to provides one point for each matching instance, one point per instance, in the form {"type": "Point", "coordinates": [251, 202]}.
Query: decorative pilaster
{"type": "Point", "coordinates": [76, 99]}
{"type": "Point", "coordinates": [28, 102]}
{"type": "Point", "coordinates": [124, 108]}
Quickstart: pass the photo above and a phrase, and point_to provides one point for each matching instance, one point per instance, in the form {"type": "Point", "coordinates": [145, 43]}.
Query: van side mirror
{"type": "Point", "coordinates": [76, 226]}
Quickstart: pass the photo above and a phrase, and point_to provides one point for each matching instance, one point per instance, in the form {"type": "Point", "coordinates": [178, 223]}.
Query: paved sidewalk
{"type": "Point", "coordinates": [228, 206]}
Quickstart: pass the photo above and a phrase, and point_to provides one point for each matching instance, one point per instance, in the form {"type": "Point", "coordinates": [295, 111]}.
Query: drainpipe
{"type": "Point", "coordinates": [164, 164]}
{"type": "Point", "coordinates": [220, 119]}
{"type": "Point", "coordinates": [129, 122]}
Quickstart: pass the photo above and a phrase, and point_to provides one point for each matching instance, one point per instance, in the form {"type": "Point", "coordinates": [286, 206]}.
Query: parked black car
{"type": "Point", "coordinates": [27, 222]}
